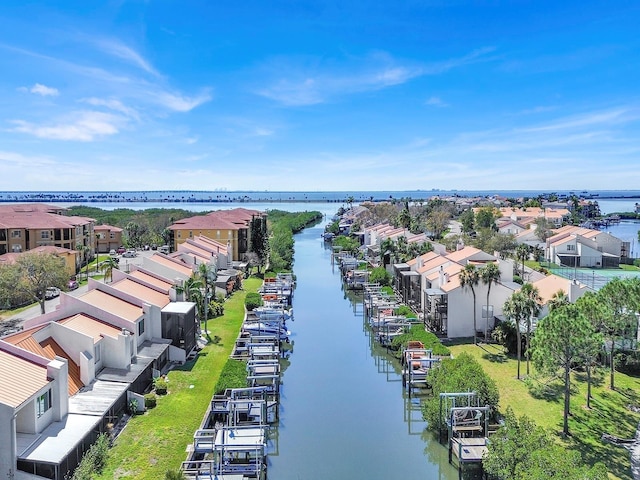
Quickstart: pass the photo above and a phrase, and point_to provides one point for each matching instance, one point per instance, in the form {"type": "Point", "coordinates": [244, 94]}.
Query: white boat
{"type": "Point", "coordinates": [266, 328]}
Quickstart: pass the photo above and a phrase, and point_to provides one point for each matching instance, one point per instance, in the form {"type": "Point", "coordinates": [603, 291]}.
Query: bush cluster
{"type": "Point", "coordinates": [233, 375]}
{"type": "Point", "coordinates": [460, 374]}
{"type": "Point", "coordinates": [418, 333]}
{"type": "Point", "coordinates": [161, 386]}
{"type": "Point", "coordinates": [628, 362]}
{"type": "Point", "coordinates": [94, 459]}
{"type": "Point", "coordinates": [150, 400]}
{"type": "Point", "coordinates": [252, 300]}
{"type": "Point", "coordinates": [380, 275]}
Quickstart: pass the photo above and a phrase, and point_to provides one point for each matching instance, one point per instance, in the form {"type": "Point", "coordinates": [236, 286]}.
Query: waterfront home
{"type": "Point", "coordinates": [584, 247]}
{"type": "Point", "coordinates": [229, 227]}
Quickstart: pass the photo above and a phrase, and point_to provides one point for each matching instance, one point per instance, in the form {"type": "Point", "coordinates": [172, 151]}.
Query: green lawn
{"type": "Point", "coordinates": [156, 441]}
{"type": "Point", "coordinates": [543, 402]}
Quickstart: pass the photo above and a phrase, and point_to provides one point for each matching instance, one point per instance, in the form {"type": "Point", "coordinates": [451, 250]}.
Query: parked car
{"type": "Point", "coordinates": [72, 284]}
{"type": "Point", "coordinates": [113, 253]}
{"type": "Point", "coordinates": [51, 292]}
{"type": "Point", "coordinates": [130, 254]}
{"type": "Point", "coordinates": [121, 250]}
{"type": "Point", "coordinates": [164, 249]}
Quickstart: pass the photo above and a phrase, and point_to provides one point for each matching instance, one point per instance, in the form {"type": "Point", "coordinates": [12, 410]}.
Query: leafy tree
{"type": "Point", "coordinates": [380, 275]}
{"type": "Point", "coordinates": [134, 233]}
{"type": "Point", "coordinates": [207, 275]}
{"type": "Point", "coordinates": [620, 298]}
{"type": "Point", "coordinates": [460, 374]}
{"type": "Point", "coordinates": [593, 309]}
{"type": "Point", "coordinates": [437, 221]}
{"type": "Point", "coordinates": [512, 446]}
{"type": "Point", "coordinates": [543, 228]}
{"type": "Point", "coordinates": [404, 217]}
{"type": "Point", "coordinates": [521, 450]}
{"type": "Point", "coordinates": [486, 217]}
{"type": "Point", "coordinates": [467, 220]}
{"type": "Point", "coordinates": [503, 243]}
{"type": "Point", "coordinates": [561, 340]}
{"type": "Point", "coordinates": [470, 278]}
{"type": "Point", "coordinates": [31, 275]}
{"type": "Point", "coordinates": [259, 240]}
{"type": "Point", "coordinates": [489, 274]}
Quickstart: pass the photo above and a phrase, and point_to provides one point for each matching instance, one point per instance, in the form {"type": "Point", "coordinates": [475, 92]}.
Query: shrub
{"type": "Point", "coordinates": [628, 362]}
{"type": "Point", "coordinates": [460, 374]}
{"type": "Point", "coordinates": [94, 459]}
{"type": "Point", "coordinates": [387, 290]}
{"type": "Point", "coordinates": [150, 400]}
{"type": "Point", "coordinates": [380, 275]}
{"type": "Point", "coordinates": [518, 279]}
{"type": "Point", "coordinates": [133, 406]}
{"type": "Point", "coordinates": [161, 386]}
{"type": "Point", "coordinates": [505, 334]}
{"type": "Point", "coordinates": [418, 333]}
{"type": "Point", "coordinates": [252, 300]}
{"type": "Point", "coordinates": [405, 311]}
{"type": "Point", "coordinates": [233, 375]}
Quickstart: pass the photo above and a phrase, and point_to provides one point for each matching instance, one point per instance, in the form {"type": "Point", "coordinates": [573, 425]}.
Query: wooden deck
{"type": "Point", "coordinates": [468, 450]}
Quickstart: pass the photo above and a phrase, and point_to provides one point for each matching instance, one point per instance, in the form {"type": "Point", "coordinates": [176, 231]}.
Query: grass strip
{"type": "Point", "coordinates": [542, 401]}
{"type": "Point", "coordinates": [155, 442]}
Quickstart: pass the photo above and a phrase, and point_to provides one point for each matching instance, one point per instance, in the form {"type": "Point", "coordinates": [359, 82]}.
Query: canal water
{"type": "Point", "coordinates": [343, 411]}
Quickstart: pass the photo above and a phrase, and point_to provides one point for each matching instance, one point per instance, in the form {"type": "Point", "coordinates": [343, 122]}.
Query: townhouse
{"type": "Point", "coordinates": [71, 372]}
{"type": "Point", "coordinates": [583, 247]}
{"type": "Point", "coordinates": [108, 238]}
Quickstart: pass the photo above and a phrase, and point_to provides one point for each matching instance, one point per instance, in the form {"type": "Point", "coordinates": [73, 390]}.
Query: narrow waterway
{"type": "Point", "coordinates": [343, 414]}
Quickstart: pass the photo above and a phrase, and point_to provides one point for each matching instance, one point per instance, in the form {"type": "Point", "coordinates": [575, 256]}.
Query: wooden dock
{"type": "Point", "coordinates": [467, 450]}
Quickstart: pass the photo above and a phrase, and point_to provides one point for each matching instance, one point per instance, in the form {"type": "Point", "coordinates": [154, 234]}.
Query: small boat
{"type": "Point", "coordinates": [266, 328]}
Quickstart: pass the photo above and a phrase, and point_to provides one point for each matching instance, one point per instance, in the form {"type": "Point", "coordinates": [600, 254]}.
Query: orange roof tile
{"type": "Point", "coordinates": [151, 279]}
{"type": "Point", "coordinates": [53, 350]}
{"type": "Point", "coordinates": [20, 379]}
{"type": "Point", "coordinates": [90, 326]}
{"type": "Point", "coordinates": [111, 304]}
{"type": "Point", "coordinates": [144, 293]}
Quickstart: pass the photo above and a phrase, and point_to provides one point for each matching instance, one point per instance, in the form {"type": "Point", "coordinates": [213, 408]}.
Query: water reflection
{"type": "Point", "coordinates": [344, 412]}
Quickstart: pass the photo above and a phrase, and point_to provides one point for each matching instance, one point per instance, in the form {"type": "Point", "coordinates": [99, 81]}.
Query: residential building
{"type": "Point", "coordinates": [107, 238]}
{"type": "Point", "coordinates": [228, 227]}
{"type": "Point", "coordinates": [27, 226]}
{"type": "Point", "coordinates": [70, 257]}
{"type": "Point", "coordinates": [584, 247]}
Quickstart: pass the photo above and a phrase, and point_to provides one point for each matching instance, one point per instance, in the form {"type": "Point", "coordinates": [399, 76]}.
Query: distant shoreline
{"type": "Point", "coordinates": [182, 196]}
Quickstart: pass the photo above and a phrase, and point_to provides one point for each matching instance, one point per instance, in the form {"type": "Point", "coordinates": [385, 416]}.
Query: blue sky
{"type": "Point", "coordinates": [305, 95]}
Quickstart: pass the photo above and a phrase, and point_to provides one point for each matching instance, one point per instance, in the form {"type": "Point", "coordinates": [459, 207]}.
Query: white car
{"type": "Point", "coordinates": [113, 253]}
{"type": "Point", "coordinates": [51, 292]}
{"type": "Point", "coordinates": [130, 254]}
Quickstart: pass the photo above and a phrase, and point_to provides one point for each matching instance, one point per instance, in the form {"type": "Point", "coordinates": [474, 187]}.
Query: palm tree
{"type": "Point", "coordinates": [489, 274]}
{"type": "Point", "coordinates": [514, 309]}
{"type": "Point", "coordinates": [469, 277]}
{"type": "Point", "coordinates": [557, 300]}
{"type": "Point", "coordinates": [531, 309]}
{"type": "Point", "coordinates": [207, 276]}
{"type": "Point", "coordinates": [107, 267]}
{"type": "Point", "coordinates": [522, 253]}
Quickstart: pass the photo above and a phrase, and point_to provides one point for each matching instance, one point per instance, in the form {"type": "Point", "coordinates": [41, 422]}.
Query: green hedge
{"type": "Point", "coordinates": [233, 375]}
{"type": "Point", "coordinates": [252, 300]}
{"type": "Point", "coordinates": [94, 459]}
{"type": "Point", "coordinates": [418, 333]}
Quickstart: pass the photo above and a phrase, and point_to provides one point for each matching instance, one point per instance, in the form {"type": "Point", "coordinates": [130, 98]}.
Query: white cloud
{"type": "Point", "coordinates": [43, 90]}
{"type": "Point", "coordinates": [300, 82]}
{"type": "Point", "coordinates": [83, 126]}
{"type": "Point", "coordinates": [436, 102]}
{"type": "Point", "coordinates": [112, 104]}
{"type": "Point", "coordinates": [179, 102]}
{"type": "Point", "coordinates": [120, 50]}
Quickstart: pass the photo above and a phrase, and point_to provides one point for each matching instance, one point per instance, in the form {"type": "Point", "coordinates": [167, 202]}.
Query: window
{"type": "Point", "coordinates": [179, 234]}
{"type": "Point", "coordinates": [112, 235]}
{"type": "Point", "coordinates": [571, 248]}
{"type": "Point", "coordinates": [191, 234]}
{"type": "Point", "coordinates": [141, 327]}
{"type": "Point", "coordinates": [16, 234]}
{"type": "Point", "coordinates": [44, 235]}
{"type": "Point", "coordinates": [43, 403]}
{"type": "Point", "coordinates": [97, 351]}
